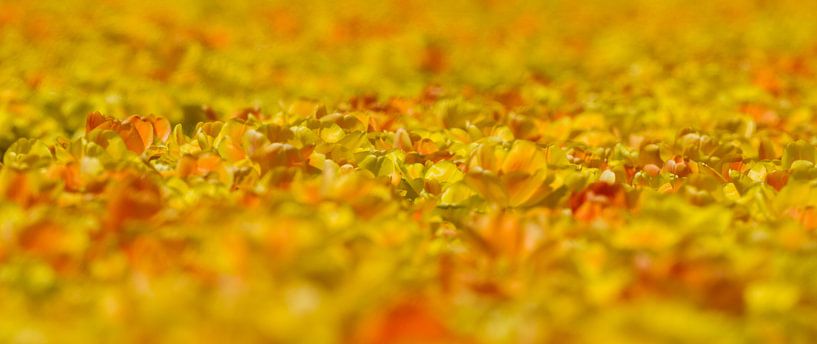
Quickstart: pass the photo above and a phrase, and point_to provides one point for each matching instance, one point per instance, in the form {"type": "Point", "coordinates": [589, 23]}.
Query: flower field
{"type": "Point", "coordinates": [408, 171]}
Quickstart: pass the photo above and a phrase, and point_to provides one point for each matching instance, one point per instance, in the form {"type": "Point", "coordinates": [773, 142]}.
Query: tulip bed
{"type": "Point", "coordinates": [408, 172]}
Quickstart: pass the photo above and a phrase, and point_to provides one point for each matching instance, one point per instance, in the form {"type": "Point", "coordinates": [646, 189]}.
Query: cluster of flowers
{"type": "Point", "coordinates": [408, 171]}
{"type": "Point", "coordinates": [366, 225]}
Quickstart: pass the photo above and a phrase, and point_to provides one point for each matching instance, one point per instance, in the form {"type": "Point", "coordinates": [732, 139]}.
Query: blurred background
{"type": "Point", "coordinates": [62, 59]}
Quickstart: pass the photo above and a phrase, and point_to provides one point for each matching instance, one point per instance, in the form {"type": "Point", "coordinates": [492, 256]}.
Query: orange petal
{"type": "Point", "coordinates": [186, 166]}
{"type": "Point", "coordinates": [131, 197]}
{"type": "Point", "coordinates": [144, 128]}
{"type": "Point", "coordinates": [208, 163]}
{"type": "Point", "coordinates": [407, 322]}
{"type": "Point", "coordinates": [161, 127]}
{"type": "Point", "coordinates": [132, 138]}
{"type": "Point", "coordinates": [96, 119]}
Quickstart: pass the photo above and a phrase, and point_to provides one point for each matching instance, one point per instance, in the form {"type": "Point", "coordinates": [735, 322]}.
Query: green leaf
{"type": "Point", "coordinates": [25, 153]}
{"type": "Point", "coordinates": [332, 134]}
{"type": "Point", "coordinates": [444, 172]}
